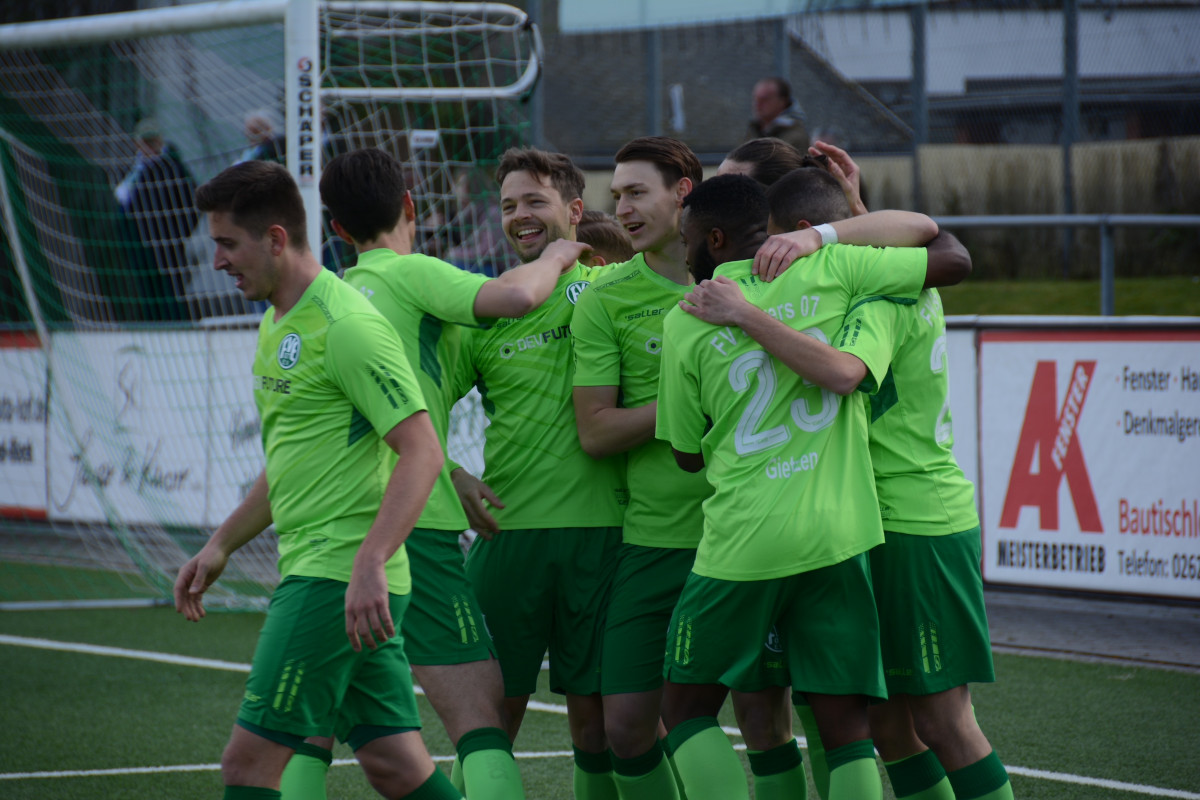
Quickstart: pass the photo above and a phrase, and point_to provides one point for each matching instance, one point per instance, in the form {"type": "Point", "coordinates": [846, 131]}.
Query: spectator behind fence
{"type": "Point", "coordinates": [776, 114]}
{"type": "Point", "coordinates": [266, 140]}
{"type": "Point", "coordinates": [158, 197]}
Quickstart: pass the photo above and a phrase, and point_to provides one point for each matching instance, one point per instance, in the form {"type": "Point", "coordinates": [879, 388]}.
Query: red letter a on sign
{"type": "Point", "coordinates": [1051, 439]}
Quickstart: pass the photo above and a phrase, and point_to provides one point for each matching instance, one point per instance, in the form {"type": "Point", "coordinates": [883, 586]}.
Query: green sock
{"type": "Point", "coordinates": [816, 750]}
{"type": "Point", "coordinates": [986, 779]}
{"type": "Point", "coordinates": [919, 777]}
{"type": "Point", "coordinates": [778, 773]}
{"type": "Point", "coordinates": [489, 771]}
{"type": "Point", "coordinates": [304, 776]}
{"type": "Point", "coordinates": [707, 762]}
{"type": "Point", "coordinates": [852, 772]}
{"type": "Point", "coordinates": [456, 776]}
{"type": "Point", "coordinates": [250, 793]}
{"type": "Point", "coordinates": [670, 754]}
{"type": "Point", "coordinates": [645, 777]}
{"type": "Point", "coordinates": [437, 787]}
{"type": "Point", "coordinates": [593, 779]}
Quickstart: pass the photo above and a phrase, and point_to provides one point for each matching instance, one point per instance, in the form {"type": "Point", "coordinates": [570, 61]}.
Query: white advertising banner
{"type": "Point", "coordinates": [22, 427]}
{"type": "Point", "coordinates": [236, 455]}
{"type": "Point", "coordinates": [1089, 441]}
{"type": "Point", "coordinates": [128, 427]}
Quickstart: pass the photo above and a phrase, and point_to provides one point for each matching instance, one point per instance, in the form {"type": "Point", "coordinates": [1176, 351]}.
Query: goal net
{"type": "Point", "coordinates": [128, 429]}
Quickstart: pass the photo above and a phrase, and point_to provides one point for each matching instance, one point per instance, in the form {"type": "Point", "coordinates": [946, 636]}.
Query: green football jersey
{"type": "Point", "coordinates": [421, 296]}
{"type": "Point", "coordinates": [787, 459]}
{"type": "Point", "coordinates": [532, 457]}
{"type": "Point", "coordinates": [618, 328]}
{"type": "Point", "coordinates": [330, 379]}
{"type": "Point", "coordinates": [921, 488]}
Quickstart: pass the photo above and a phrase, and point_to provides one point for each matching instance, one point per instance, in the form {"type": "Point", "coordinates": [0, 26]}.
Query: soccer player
{"type": "Point", "coordinates": [333, 388]}
{"type": "Point", "coordinates": [445, 640]}
{"type": "Point", "coordinates": [617, 329]}
{"type": "Point", "coordinates": [609, 241]}
{"type": "Point", "coordinates": [790, 522]}
{"type": "Point", "coordinates": [543, 579]}
{"type": "Point", "coordinates": [926, 577]}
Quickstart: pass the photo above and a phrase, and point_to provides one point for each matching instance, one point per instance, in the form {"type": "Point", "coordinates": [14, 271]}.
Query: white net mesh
{"type": "Point", "coordinates": [127, 425]}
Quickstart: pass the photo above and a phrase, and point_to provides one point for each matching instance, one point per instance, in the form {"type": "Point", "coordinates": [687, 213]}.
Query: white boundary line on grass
{"type": "Point", "coordinates": [534, 705]}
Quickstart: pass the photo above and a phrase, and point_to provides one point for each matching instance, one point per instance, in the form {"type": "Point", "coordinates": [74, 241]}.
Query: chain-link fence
{"type": "Point", "coordinates": [950, 108]}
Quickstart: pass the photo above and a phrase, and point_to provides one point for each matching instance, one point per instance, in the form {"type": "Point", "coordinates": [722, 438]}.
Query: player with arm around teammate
{"type": "Point", "coordinates": [790, 522]}
{"type": "Point", "coordinates": [543, 579]}
{"type": "Point", "coordinates": [333, 389]}
{"type": "Point", "coordinates": [447, 645]}
{"type": "Point", "coordinates": [926, 577]}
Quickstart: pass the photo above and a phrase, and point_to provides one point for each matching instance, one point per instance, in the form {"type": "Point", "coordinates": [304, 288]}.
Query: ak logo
{"type": "Point", "coordinates": [575, 289]}
{"type": "Point", "coordinates": [289, 351]}
{"type": "Point", "coordinates": [654, 345]}
{"type": "Point", "coordinates": [1049, 450]}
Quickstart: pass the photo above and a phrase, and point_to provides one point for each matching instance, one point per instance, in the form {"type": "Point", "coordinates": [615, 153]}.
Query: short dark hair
{"type": "Point", "coordinates": [809, 193]}
{"type": "Point", "coordinates": [607, 237]}
{"type": "Point", "coordinates": [562, 172]}
{"type": "Point", "coordinates": [736, 204]}
{"type": "Point", "coordinates": [364, 191]}
{"type": "Point", "coordinates": [258, 194]}
{"type": "Point", "coordinates": [783, 87]}
{"type": "Point", "coordinates": [673, 159]}
{"type": "Point", "coordinates": [770, 158]}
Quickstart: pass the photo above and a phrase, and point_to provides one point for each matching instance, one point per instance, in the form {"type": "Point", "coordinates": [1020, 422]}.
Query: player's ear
{"type": "Point", "coordinates": [596, 261]}
{"type": "Point", "coordinates": [575, 210]}
{"type": "Point", "coordinates": [716, 239]}
{"type": "Point", "coordinates": [410, 208]}
{"type": "Point", "coordinates": [341, 232]}
{"type": "Point", "coordinates": [682, 190]}
{"type": "Point", "coordinates": [801, 224]}
{"type": "Point", "coordinates": [278, 237]}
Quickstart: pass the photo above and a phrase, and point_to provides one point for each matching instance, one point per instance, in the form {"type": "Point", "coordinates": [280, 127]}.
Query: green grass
{"type": "Point", "coordinates": [72, 711]}
{"type": "Point", "coordinates": [1133, 296]}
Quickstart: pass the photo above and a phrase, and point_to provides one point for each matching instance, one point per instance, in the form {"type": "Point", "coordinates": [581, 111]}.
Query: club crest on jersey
{"type": "Point", "coordinates": [575, 289]}
{"type": "Point", "coordinates": [289, 351]}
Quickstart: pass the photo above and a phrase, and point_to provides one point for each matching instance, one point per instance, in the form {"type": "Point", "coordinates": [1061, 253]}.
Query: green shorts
{"type": "Point", "coordinates": [546, 589]}
{"type": "Point", "coordinates": [443, 624]}
{"type": "Point", "coordinates": [305, 680]}
{"type": "Point", "coordinates": [929, 591]}
{"type": "Point", "coordinates": [644, 593]}
{"type": "Point", "coordinates": [823, 622]}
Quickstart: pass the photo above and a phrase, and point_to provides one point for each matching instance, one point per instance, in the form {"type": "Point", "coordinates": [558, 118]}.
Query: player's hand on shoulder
{"type": "Point", "coordinates": [778, 252]}
{"type": "Point", "coordinates": [718, 301]}
{"type": "Point", "coordinates": [476, 496]}
{"type": "Point", "coordinates": [570, 252]}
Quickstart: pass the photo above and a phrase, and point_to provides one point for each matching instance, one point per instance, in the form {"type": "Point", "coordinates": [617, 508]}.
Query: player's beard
{"type": "Point", "coordinates": [703, 265]}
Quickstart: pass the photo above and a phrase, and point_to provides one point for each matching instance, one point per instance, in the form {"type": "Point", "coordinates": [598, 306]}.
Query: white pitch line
{"type": "Point", "coordinates": [120, 652]}
{"type": "Point", "coordinates": [534, 705]}
{"type": "Point", "coordinates": [1120, 786]}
